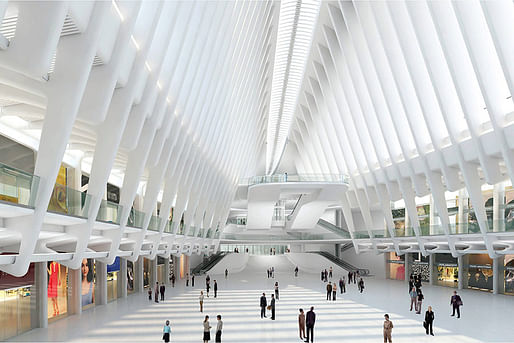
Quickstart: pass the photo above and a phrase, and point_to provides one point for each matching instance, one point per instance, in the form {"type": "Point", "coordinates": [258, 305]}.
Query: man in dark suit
{"type": "Point", "coordinates": [215, 289]}
{"type": "Point", "coordinates": [309, 323]}
{"type": "Point", "coordinates": [456, 302]}
{"type": "Point", "coordinates": [272, 304]}
{"type": "Point", "coordinates": [264, 303]}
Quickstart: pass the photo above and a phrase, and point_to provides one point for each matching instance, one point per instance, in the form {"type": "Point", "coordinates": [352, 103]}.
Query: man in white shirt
{"type": "Point", "coordinates": [219, 327]}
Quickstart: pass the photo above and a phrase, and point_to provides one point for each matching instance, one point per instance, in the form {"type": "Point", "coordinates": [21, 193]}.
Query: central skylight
{"type": "Point", "coordinates": [295, 30]}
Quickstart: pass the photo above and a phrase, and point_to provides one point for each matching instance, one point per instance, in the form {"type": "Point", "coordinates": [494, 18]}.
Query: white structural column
{"type": "Point", "coordinates": [74, 291]}
{"type": "Point", "coordinates": [101, 283]}
{"type": "Point", "coordinates": [41, 285]}
{"type": "Point", "coordinates": [122, 278]}
{"type": "Point", "coordinates": [138, 275]}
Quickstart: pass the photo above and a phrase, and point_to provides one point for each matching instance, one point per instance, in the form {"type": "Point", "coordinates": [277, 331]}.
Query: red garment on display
{"type": "Point", "coordinates": [53, 280]}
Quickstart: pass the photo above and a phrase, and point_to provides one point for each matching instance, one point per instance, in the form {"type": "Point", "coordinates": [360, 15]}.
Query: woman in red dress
{"type": "Point", "coordinates": [53, 281]}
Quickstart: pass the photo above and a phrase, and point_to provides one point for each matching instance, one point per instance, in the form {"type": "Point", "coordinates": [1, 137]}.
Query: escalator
{"type": "Point", "coordinates": [334, 229]}
{"type": "Point", "coordinates": [341, 263]}
{"type": "Point", "coordinates": [208, 263]}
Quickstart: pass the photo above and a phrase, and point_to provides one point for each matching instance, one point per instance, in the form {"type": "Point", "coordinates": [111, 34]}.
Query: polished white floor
{"type": "Point", "coordinates": [354, 317]}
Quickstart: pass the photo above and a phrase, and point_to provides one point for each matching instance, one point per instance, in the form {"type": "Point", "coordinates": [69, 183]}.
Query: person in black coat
{"type": "Point", "coordinates": [429, 320]}
{"type": "Point", "coordinates": [215, 289]}
{"type": "Point", "coordinates": [456, 303]}
{"type": "Point", "coordinates": [272, 304]}
{"type": "Point", "coordinates": [264, 303]}
{"type": "Point", "coordinates": [309, 323]}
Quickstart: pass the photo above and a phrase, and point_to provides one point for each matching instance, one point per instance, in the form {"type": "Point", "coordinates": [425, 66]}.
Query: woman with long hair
{"type": "Point", "coordinates": [206, 330]}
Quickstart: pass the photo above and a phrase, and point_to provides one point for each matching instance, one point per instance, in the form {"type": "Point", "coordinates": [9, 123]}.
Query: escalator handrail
{"type": "Point", "coordinates": [343, 264]}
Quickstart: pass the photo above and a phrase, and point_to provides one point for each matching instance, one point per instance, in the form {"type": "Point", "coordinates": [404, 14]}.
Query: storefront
{"type": "Point", "coordinates": [161, 272]}
{"type": "Point", "coordinates": [480, 272]}
{"type": "Point", "coordinates": [130, 277]}
{"type": "Point", "coordinates": [57, 290]}
{"type": "Point", "coordinates": [395, 266]}
{"type": "Point", "coordinates": [420, 266]}
{"type": "Point", "coordinates": [16, 303]}
{"type": "Point", "coordinates": [88, 272]}
{"type": "Point", "coordinates": [113, 271]}
{"type": "Point", "coordinates": [509, 274]}
{"type": "Point", "coordinates": [146, 272]}
{"type": "Point", "coordinates": [447, 270]}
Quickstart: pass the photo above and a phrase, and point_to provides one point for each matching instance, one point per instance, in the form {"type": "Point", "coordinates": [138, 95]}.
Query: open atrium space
{"type": "Point", "coordinates": [257, 171]}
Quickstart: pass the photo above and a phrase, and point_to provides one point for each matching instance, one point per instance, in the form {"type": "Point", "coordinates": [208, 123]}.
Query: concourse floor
{"type": "Point", "coordinates": [353, 317]}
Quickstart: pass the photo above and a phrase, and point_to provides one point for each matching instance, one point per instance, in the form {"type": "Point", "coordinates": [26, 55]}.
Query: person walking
{"type": "Point", "coordinates": [456, 303]}
{"type": "Point", "coordinates": [172, 280]}
{"type": "Point", "coordinates": [208, 287]}
{"type": "Point", "coordinates": [301, 324]}
{"type": "Point", "coordinates": [219, 328]}
{"type": "Point", "coordinates": [156, 295]}
{"type": "Point", "coordinates": [276, 290]}
{"type": "Point", "coordinates": [162, 289]}
{"type": "Point", "coordinates": [296, 272]}
{"type": "Point", "coordinates": [342, 285]}
{"type": "Point", "coordinates": [309, 323]}
{"type": "Point", "coordinates": [388, 329]}
{"type": "Point", "coordinates": [269, 272]}
{"type": "Point", "coordinates": [411, 283]}
{"type": "Point", "coordinates": [429, 320]}
{"type": "Point", "coordinates": [201, 297]}
{"type": "Point", "coordinates": [354, 277]}
{"type": "Point", "coordinates": [322, 275]}
{"type": "Point", "coordinates": [206, 330]}
{"type": "Point", "coordinates": [166, 330]}
{"type": "Point", "coordinates": [226, 273]}
{"type": "Point", "coordinates": [272, 304]}
{"type": "Point", "coordinates": [273, 272]}
{"type": "Point", "coordinates": [420, 301]}
{"type": "Point", "coordinates": [330, 273]}
{"type": "Point", "coordinates": [329, 291]}
{"type": "Point", "coordinates": [193, 280]}
{"type": "Point", "coordinates": [263, 304]}
{"type": "Point", "coordinates": [150, 293]}
{"type": "Point", "coordinates": [326, 275]}
{"type": "Point", "coordinates": [413, 298]}
{"type": "Point", "coordinates": [215, 289]}
{"type": "Point", "coordinates": [361, 285]}
{"type": "Point", "coordinates": [349, 277]}
{"type": "Point", "coordinates": [334, 291]}
{"type": "Point", "coordinates": [187, 280]}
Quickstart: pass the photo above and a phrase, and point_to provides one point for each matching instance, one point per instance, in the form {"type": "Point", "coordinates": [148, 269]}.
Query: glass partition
{"type": "Point", "coordinates": [135, 218]}
{"type": "Point", "coordinates": [361, 235]}
{"type": "Point", "coordinates": [281, 178]}
{"type": "Point", "coordinates": [66, 200]}
{"type": "Point", "coordinates": [109, 212]}
{"type": "Point", "coordinates": [168, 227]}
{"type": "Point", "coordinates": [17, 186]}
{"type": "Point", "coordinates": [155, 222]}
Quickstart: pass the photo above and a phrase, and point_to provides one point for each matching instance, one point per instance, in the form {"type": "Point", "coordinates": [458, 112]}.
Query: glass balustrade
{"type": "Point", "coordinates": [191, 231]}
{"type": "Point", "coordinates": [281, 178]}
{"type": "Point", "coordinates": [109, 212]}
{"type": "Point", "coordinates": [169, 227]}
{"type": "Point", "coordinates": [361, 235]}
{"type": "Point", "coordinates": [17, 186]}
{"type": "Point", "coordinates": [380, 233]}
{"type": "Point", "coordinates": [136, 219]}
{"type": "Point", "coordinates": [66, 200]}
{"type": "Point", "coordinates": [155, 223]}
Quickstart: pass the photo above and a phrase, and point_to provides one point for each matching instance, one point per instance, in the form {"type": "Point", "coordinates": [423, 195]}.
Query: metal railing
{"type": "Point", "coordinates": [282, 178]}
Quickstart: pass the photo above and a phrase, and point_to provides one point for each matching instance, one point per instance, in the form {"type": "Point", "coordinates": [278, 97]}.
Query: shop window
{"type": "Point", "coordinates": [396, 266]}
{"type": "Point", "coordinates": [480, 272]}
{"type": "Point", "coordinates": [57, 290]}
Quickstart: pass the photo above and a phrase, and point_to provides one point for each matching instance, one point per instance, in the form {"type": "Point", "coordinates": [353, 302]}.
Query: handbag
{"type": "Point", "coordinates": [425, 324]}
{"type": "Point", "coordinates": [268, 308]}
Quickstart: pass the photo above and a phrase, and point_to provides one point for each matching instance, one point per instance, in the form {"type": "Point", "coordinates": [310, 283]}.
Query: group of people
{"type": "Point", "coordinates": [271, 272]}
{"type": "Point", "coordinates": [416, 295]}
{"type": "Point", "coordinates": [166, 330]}
{"type": "Point", "coordinates": [158, 290]}
{"type": "Point", "coordinates": [325, 275]}
{"type": "Point", "coordinates": [307, 322]}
